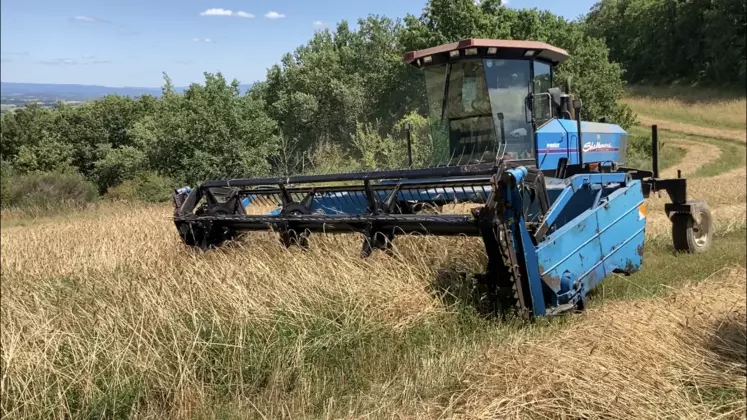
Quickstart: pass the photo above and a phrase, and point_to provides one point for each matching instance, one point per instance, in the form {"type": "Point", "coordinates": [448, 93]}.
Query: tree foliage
{"type": "Point", "coordinates": [675, 40]}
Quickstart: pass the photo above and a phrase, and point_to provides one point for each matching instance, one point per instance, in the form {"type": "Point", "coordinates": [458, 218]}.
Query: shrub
{"type": "Point", "coordinates": [328, 157]}
{"type": "Point", "coordinates": [376, 151]}
{"type": "Point", "coordinates": [6, 172]}
{"type": "Point", "coordinates": [118, 165]}
{"type": "Point", "coordinates": [48, 191]}
{"type": "Point", "coordinates": [147, 186]}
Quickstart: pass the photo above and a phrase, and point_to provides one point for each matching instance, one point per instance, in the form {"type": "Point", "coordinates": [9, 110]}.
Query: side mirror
{"type": "Point", "coordinates": [577, 105]}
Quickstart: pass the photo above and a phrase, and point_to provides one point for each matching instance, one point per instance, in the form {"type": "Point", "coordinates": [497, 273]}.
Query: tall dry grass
{"type": "Point", "coordinates": [677, 357]}
{"type": "Point", "coordinates": [110, 316]}
{"type": "Point", "coordinates": [704, 108]}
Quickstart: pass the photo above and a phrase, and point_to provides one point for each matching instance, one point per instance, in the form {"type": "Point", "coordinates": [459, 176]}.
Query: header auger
{"type": "Point", "coordinates": [555, 205]}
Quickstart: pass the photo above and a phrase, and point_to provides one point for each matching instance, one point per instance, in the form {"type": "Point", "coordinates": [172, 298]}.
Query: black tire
{"type": "Point", "coordinates": [689, 236]}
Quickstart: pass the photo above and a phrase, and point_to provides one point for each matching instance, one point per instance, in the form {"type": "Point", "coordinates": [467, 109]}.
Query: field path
{"type": "Point", "coordinates": [696, 156]}
{"type": "Point", "coordinates": [725, 193]}
{"type": "Point", "coordinates": [684, 128]}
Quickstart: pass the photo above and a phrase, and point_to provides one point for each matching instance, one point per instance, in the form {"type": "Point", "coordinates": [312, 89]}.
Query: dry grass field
{"type": "Point", "coordinates": [692, 111]}
{"type": "Point", "coordinates": [106, 315]}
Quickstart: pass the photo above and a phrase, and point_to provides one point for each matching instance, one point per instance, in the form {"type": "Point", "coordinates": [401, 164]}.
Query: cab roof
{"type": "Point", "coordinates": [502, 47]}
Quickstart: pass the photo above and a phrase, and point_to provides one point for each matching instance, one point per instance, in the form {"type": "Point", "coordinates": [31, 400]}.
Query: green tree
{"type": "Point", "coordinates": [208, 132]}
{"type": "Point", "coordinates": [674, 40]}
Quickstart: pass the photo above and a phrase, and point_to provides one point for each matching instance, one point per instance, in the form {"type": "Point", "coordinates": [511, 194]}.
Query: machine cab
{"type": "Point", "coordinates": [486, 97]}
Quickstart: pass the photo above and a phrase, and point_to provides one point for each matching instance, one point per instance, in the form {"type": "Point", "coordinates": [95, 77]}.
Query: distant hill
{"type": "Point", "coordinates": [12, 92]}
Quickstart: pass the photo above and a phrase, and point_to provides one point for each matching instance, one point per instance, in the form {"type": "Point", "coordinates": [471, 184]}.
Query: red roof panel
{"type": "Point", "coordinates": [546, 51]}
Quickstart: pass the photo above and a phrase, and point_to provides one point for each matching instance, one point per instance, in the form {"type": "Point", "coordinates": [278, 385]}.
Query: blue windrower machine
{"type": "Point", "coordinates": [554, 203]}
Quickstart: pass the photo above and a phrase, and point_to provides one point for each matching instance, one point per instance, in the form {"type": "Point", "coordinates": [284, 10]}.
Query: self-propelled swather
{"type": "Point", "coordinates": [555, 205]}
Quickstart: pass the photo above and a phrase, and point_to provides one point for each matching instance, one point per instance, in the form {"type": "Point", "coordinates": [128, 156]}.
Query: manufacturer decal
{"type": "Point", "coordinates": [598, 147]}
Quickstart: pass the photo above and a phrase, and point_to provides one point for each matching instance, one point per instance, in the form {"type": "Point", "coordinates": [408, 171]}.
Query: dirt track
{"type": "Point", "coordinates": [696, 156]}
{"type": "Point", "coordinates": [718, 133]}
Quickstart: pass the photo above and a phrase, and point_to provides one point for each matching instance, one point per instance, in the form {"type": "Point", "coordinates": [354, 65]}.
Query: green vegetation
{"type": "Point", "coordinates": [662, 41]}
{"type": "Point", "coordinates": [639, 150]}
{"type": "Point", "coordinates": [46, 191]}
{"type": "Point", "coordinates": [147, 187]}
{"type": "Point", "coordinates": [664, 270]}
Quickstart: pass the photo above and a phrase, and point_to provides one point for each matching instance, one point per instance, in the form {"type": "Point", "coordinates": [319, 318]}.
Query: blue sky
{"type": "Point", "coordinates": [130, 43]}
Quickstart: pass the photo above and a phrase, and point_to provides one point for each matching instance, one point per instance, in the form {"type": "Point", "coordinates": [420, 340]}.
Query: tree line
{"type": "Point", "coordinates": [666, 41]}
{"type": "Point", "coordinates": [340, 102]}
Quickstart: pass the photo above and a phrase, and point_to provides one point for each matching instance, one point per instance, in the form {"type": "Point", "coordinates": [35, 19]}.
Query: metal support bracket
{"type": "Point", "coordinates": [289, 232]}
{"type": "Point", "coordinates": [374, 237]}
{"type": "Point", "coordinates": [690, 207]}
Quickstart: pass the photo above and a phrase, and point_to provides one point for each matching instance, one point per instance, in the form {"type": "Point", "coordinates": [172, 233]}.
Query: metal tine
{"type": "Point", "coordinates": [459, 162]}
{"type": "Point", "coordinates": [505, 147]}
{"type": "Point", "coordinates": [451, 158]}
{"type": "Point", "coordinates": [469, 161]}
{"type": "Point", "coordinates": [483, 153]}
{"type": "Point", "coordinates": [440, 160]}
{"type": "Point", "coordinates": [461, 153]}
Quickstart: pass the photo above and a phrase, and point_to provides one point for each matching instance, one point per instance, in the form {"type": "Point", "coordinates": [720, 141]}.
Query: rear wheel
{"type": "Point", "coordinates": [691, 236]}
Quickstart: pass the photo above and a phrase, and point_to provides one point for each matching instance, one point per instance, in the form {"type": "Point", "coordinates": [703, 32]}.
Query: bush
{"type": "Point", "coordinates": [148, 187]}
{"type": "Point", "coordinates": [47, 191]}
{"type": "Point", "coordinates": [118, 165]}
{"type": "Point", "coordinates": [6, 172]}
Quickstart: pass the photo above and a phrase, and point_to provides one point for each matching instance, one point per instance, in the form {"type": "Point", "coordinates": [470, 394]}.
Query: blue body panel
{"type": "Point", "coordinates": [600, 143]}
{"type": "Point", "coordinates": [606, 235]}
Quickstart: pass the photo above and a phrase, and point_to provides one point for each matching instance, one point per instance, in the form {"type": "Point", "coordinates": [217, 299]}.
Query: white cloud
{"type": "Point", "coordinates": [274, 15]}
{"type": "Point", "coordinates": [216, 12]}
{"type": "Point", "coordinates": [85, 19]}
{"type": "Point", "coordinates": [195, 39]}
{"type": "Point", "coordinates": [319, 25]}
{"type": "Point", "coordinates": [226, 12]}
{"type": "Point", "coordinates": [207, 40]}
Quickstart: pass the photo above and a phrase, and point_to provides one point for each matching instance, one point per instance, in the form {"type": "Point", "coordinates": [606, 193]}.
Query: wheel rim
{"type": "Point", "coordinates": [700, 230]}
